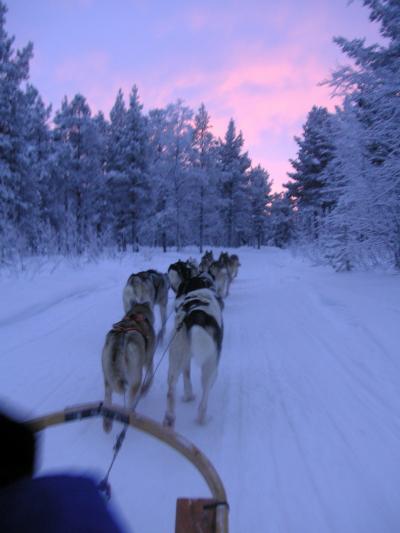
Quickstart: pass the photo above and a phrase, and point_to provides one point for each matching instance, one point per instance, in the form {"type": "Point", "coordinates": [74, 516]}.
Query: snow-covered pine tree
{"type": "Point", "coordinates": [259, 191]}
{"type": "Point", "coordinates": [173, 210]}
{"type": "Point", "coordinates": [203, 171]}
{"type": "Point", "coordinates": [79, 162]}
{"type": "Point", "coordinates": [160, 232]}
{"type": "Point", "coordinates": [137, 161]}
{"type": "Point", "coordinates": [14, 163]}
{"type": "Point", "coordinates": [102, 236]}
{"type": "Point", "coordinates": [279, 222]}
{"type": "Point", "coordinates": [127, 170]}
{"type": "Point", "coordinates": [233, 198]}
{"type": "Point", "coordinates": [306, 190]}
{"type": "Point", "coordinates": [344, 228]}
{"type": "Point", "coordinates": [37, 193]}
{"type": "Point", "coordinates": [116, 175]}
{"type": "Point", "coordinates": [373, 85]}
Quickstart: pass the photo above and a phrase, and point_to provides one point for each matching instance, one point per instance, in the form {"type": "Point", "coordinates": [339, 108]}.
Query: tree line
{"type": "Point", "coordinates": [73, 182]}
{"type": "Point", "coordinates": [344, 195]}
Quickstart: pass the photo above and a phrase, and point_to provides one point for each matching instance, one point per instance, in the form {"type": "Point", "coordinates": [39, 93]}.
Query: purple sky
{"type": "Point", "coordinates": [257, 61]}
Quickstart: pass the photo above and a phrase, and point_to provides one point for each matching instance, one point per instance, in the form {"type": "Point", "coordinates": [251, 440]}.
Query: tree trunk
{"type": "Point", "coordinates": [201, 219]}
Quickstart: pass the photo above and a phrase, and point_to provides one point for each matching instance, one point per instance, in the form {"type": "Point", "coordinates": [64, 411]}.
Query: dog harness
{"type": "Point", "coordinates": [134, 322]}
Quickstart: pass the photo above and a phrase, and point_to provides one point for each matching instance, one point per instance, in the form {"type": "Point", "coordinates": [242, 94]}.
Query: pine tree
{"type": "Point", "coordinates": [127, 170]}
{"type": "Point", "coordinates": [259, 193]}
{"type": "Point", "coordinates": [170, 132]}
{"type": "Point", "coordinates": [306, 190]}
{"type": "Point", "coordinates": [373, 87]}
{"type": "Point", "coordinates": [36, 193]}
{"type": "Point", "coordinates": [203, 161]}
{"type": "Point", "coordinates": [234, 200]}
{"type": "Point", "coordinates": [80, 164]}
{"type": "Point", "coordinates": [14, 163]}
{"type": "Point", "coordinates": [279, 220]}
{"type": "Point", "coordinates": [136, 157]}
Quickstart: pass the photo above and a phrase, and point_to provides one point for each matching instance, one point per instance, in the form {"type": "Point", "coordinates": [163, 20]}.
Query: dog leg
{"type": "Point", "coordinates": [177, 351]}
{"type": "Point", "coordinates": [135, 371]}
{"type": "Point", "coordinates": [107, 422]}
{"type": "Point", "coordinates": [188, 395]}
{"type": "Point", "coordinates": [163, 316]}
{"type": "Point", "coordinates": [148, 379]}
{"type": "Point", "coordinates": [208, 375]}
{"type": "Point", "coordinates": [169, 418]}
{"type": "Point", "coordinates": [133, 392]}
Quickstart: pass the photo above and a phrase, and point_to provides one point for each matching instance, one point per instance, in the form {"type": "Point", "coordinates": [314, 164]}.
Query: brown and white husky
{"type": "Point", "coordinates": [128, 352]}
{"type": "Point", "coordinates": [148, 286]}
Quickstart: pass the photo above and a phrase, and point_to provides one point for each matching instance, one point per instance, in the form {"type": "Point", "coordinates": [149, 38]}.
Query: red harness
{"type": "Point", "coordinates": [126, 324]}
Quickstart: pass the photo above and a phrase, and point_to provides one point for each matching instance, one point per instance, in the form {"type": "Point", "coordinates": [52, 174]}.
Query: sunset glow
{"type": "Point", "coordinates": [254, 61]}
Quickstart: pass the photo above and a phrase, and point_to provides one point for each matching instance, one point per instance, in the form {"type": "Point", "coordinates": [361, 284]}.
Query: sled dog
{"type": "Point", "coordinates": [128, 350]}
{"type": "Point", "coordinates": [231, 263]}
{"type": "Point", "coordinates": [221, 276]}
{"type": "Point", "coordinates": [206, 261]}
{"type": "Point", "coordinates": [204, 280]}
{"type": "Point", "coordinates": [193, 264]}
{"type": "Point", "coordinates": [148, 286]}
{"type": "Point", "coordinates": [234, 265]}
{"type": "Point", "coordinates": [197, 334]}
{"type": "Point", "coordinates": [179, 272]}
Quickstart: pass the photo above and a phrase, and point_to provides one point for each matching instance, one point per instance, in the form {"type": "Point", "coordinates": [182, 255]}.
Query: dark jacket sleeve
{"type": "Point", "coordinates": [55, 504]}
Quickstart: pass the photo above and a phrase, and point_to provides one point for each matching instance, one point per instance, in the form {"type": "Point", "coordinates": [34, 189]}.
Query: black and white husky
{"type": "Point", "coordinates": [197, 334]}
{"type": "Point", "coordinates": [128, 351]}
{"type": "Point", "coordinates": [148, 286]}
{"type": "Point", "coordinates": [180, 272]}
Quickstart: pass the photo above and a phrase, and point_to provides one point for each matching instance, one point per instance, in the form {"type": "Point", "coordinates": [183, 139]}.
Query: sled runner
{"type": "Point", "coordinates": [192, 515]}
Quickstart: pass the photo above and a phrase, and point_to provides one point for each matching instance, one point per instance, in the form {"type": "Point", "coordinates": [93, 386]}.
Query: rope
{"type": "Point", "coordinates": [104, 485]}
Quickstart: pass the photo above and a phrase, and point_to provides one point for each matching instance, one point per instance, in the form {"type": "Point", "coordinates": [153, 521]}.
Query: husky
{"type": "Point", "coordinates": [179, 272]}
{"type": "Point", "coordinates": [231, 263]}
{"type": "Point", "coordinates": [193, 264]}
{"type": "Point", "coordinates": [128, 350]}
{"type": "Point", "coordinates": [197, 334]}
{"type": "Point", "coordinates": [206, 261]}
{"type": "Point", "coordinates": [234, 265]}
{"type": "Point", "coordinates": [221, 276]}
{"type": "Point", "coordinates": [204, 280]}
{"type": "Point", "coordinates": [148, 286]}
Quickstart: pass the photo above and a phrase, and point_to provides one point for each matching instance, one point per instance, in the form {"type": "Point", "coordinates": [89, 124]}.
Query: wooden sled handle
{"type": "Point", "coordinates": [167, 435]}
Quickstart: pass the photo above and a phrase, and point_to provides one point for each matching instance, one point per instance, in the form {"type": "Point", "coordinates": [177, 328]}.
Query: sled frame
{"type": "Point", "coordinates": [200, 515]}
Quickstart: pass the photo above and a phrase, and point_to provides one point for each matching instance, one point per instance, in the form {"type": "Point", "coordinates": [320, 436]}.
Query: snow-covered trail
{"type": "Point", "coordinates": [304, 422]}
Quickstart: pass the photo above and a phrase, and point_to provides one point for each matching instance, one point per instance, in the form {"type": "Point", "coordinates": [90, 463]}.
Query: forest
{"type": "Point", "coordinates": [74, 183]}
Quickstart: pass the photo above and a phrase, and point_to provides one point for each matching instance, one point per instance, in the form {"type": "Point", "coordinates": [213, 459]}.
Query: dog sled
{"type": "Point", "coordinates": [202, 515]}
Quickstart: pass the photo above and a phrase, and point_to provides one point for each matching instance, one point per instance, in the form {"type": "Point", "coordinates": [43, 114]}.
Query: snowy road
{"type": "Point", "coordinates": [304, 422]}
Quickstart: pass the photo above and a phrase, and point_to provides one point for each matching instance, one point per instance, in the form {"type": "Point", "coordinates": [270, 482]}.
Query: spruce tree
{"type": "Point", "coordinates": [234, 200]}
{"type": "Point", "coordinates": [14, 162]}
{"type": "Point", "coordinates": [306, 190]}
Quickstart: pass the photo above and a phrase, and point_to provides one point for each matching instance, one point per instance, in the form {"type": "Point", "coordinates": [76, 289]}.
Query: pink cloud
{"type": "Point", "coordinates": [93, 64]}
{"type": "Point", "coordinates": [268, 95]}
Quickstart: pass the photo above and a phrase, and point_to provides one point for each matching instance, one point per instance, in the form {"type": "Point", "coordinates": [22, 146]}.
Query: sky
{"type": "Point", "coordinates": [259, 62]}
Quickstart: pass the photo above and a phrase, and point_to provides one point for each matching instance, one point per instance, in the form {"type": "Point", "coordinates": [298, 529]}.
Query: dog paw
{"type": "Point", "coordinates": [169, 421]}
{"type": "Point", "coordinates": [107, 425]}
{"type": "Point", "coordinates": [202, 419]}
{"type": "Point", "coordinates": [188, 397]}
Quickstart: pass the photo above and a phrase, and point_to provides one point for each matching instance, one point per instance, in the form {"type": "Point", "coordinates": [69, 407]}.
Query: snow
{"type": "Point", "coordinates": [304, 418]}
